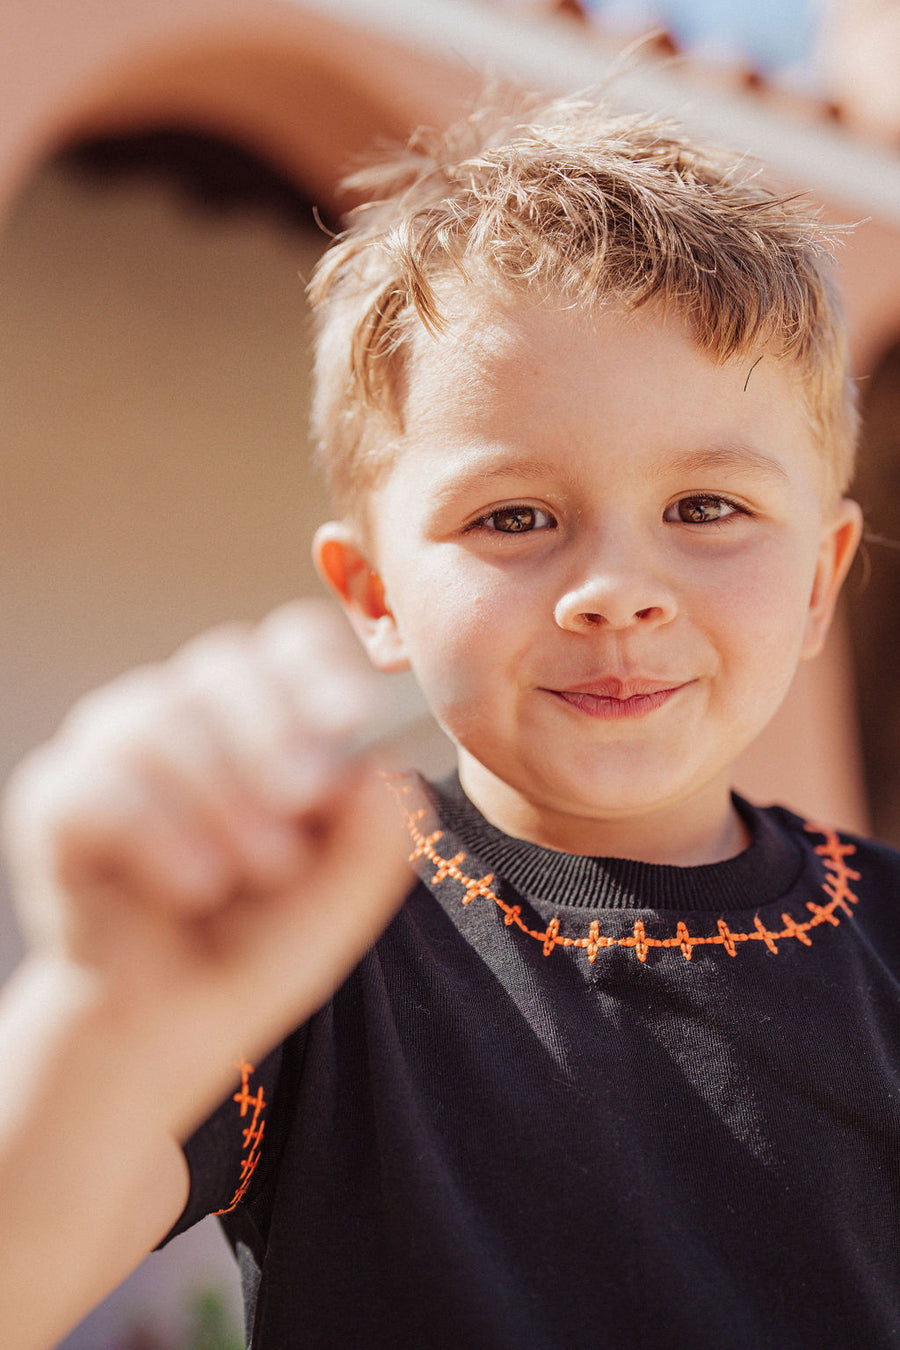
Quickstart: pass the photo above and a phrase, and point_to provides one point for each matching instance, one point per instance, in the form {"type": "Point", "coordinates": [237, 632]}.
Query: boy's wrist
{"type": "Point", "coordinates": [84, 1034]}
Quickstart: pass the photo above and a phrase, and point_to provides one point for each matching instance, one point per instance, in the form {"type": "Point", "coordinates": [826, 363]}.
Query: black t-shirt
{"type": "Point", "coordinates": [579, 1102]}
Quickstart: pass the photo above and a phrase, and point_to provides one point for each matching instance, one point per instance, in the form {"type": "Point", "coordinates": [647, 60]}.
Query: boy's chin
{"type": "Point", "coordinates": [670, 823]}
{"type": "Point", "coordinates": [605, 793]}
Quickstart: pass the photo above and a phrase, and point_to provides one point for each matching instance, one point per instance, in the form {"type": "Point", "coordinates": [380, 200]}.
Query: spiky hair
{"type": "Point", "coordinates": [578, 203]}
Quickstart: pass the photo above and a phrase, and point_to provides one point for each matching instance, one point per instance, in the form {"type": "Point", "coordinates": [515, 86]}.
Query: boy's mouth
{"type": "Point", "coordinates": [613, 698]}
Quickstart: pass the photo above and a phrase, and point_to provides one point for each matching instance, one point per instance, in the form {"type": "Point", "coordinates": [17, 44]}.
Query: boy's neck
{"type": "Point", "coordinates": [704, 828]}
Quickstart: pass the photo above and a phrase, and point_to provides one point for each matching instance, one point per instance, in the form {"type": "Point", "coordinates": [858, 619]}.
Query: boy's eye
{"type": "Point", "coordinates": [516, 519]}
{"type": "Point", "coordinates": [700, 510]}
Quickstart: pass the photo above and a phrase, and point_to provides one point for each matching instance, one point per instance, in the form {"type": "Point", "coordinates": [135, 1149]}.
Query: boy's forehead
{"type": "Point", "coordinates": [496, 331]}
{"type": "Point", "coordinates": [475, 323]}
{"type": "Point", "coordinates": [492, 342]}
{"type": "Point", "coordinates": [532, 374]}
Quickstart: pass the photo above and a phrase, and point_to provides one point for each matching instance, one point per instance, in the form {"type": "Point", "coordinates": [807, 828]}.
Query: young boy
{"type": "Point", "coordinates": [624, 1068]}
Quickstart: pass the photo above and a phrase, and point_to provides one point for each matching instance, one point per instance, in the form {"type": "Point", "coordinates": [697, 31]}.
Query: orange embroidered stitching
{"type": "Point", "coordinates": [833, 853]}
{"type": "Point", "coordinates": [252, 1135]}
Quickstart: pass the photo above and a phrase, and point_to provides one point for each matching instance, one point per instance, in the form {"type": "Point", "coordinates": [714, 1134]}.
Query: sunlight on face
{"type": "Point", "coordinates": [605, 555]}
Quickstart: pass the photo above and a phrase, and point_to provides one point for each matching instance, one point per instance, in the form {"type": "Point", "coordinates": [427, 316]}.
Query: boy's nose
{"type": "Point", "coordinates": [606, 600]}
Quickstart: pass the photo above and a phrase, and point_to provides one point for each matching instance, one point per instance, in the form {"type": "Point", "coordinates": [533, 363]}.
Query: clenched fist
{"type": "Point", "coordinates": [205, 835]}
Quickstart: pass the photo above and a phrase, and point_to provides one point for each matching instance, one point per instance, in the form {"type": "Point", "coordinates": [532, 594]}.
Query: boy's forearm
{"type": "Point", "coordinates": [199, 859]}
{"type": "Point", "coordinates": [90, 1173]}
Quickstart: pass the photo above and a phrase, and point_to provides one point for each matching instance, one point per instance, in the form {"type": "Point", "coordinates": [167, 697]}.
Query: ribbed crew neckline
{"type": "Point", "coordinates": [763, 873]}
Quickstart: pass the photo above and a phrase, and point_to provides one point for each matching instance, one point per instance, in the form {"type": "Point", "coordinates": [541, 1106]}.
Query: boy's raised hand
{"type": "Point", "coordinates": [199, 858]}
{"type": "Point", "coordinates": [199, 838]}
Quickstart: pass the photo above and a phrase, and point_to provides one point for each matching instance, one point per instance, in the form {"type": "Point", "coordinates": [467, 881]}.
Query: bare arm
{"type": "Point", "coordinates": [89, 1180]}
{"type": "Point", "coordinates": [198, 868]}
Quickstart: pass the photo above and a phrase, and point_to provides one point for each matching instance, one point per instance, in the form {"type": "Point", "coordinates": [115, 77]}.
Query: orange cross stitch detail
{"type": "Point", "coordinates": [252, 1135]}
{"type": "Point", "coordinates": [834, 853]}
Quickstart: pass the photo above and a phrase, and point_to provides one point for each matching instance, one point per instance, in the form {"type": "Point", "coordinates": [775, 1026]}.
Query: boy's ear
{"type": "Point", "coordinates": [840, 539]}
{"type": "Point", "coordinates": [348, 573]}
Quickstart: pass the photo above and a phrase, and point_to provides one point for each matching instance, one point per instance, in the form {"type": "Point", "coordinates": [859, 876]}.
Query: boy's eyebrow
{"type": "Point", "coordinates": [724, 458]}
{"type": "Point", "coordinates": [477, 470]}
{"type": "Point", "coordinates": [711, 460]}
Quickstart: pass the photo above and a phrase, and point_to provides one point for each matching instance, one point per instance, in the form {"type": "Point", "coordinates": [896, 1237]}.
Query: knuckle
{"type": "Point", "coordinates": [225, 642]}
{"type": "Point", "coordinates": [24, 797]}
{"type": "Point", "coordinates": [116, 711]}
{"type": "Point", "coordinates": [304, 627]}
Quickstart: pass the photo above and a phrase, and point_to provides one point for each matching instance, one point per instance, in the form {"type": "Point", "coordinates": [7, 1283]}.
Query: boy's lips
{"type": "Point", "coordinates": [612, 697]}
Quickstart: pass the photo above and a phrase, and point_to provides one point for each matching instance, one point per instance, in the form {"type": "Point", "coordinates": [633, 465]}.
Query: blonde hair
{"type": "Point", "coordinates": [587, 206]}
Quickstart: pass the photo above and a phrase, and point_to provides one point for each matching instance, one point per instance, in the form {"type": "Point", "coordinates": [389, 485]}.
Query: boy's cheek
{"type": "Point", "coordinates": [766, 592]}
{"type": "Point", "coordinates": [443, 615]}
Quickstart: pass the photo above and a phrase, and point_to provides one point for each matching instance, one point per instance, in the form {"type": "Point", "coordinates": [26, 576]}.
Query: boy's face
{"type": "Point", "coordinates": [603, 555]}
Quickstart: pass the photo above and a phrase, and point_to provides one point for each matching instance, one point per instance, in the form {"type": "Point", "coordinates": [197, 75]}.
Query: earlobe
{"type": "Point", "coordinates": [347, 572]}
{"type": "Point", "coordinates": [840, 540]}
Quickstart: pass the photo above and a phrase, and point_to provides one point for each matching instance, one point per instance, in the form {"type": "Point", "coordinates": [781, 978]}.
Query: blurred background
{"type": "Point", "coordinates": [165, 172]}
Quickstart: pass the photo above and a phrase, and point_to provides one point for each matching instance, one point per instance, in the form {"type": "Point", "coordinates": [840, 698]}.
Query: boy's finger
{"type": "Point", "coordinates": [153, 748]}
{"type": "Point", "coordinates": [277, 744]}
{"type": "Point", "coordinates": [82, 826]}
{"type": "Point", "coordinates": [344, 706]}
{"type": "Point", "coordinates": [311, 650]}
{"type": "Point", "coordinates": [359, 876]}
{"type": "Point", "coordinates": [192, 775]}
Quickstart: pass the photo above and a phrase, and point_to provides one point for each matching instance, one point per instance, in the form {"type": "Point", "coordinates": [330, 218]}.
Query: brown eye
{"type": "Point", "coordinates": [513, 519]}
{"type": "Point", "coordinates": [518, 520]}
{"type": "Point", "coordinates": [702, 510]}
